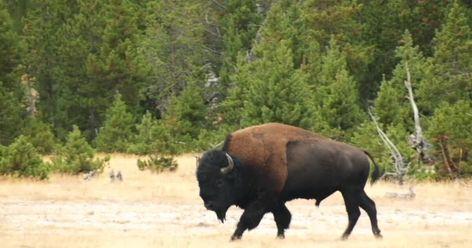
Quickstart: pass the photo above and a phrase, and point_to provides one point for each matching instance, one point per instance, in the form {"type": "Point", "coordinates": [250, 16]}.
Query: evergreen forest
{"type": "Point", "coordinates": [169, 76]}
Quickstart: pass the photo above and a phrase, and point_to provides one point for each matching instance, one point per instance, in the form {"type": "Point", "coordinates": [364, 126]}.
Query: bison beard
{"type": "Point", "coordinates": [262, 167]}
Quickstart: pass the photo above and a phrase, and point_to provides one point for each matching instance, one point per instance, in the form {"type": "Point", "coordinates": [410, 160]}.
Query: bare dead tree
{"type": "Point", "coordinates": [89, 175]}
{"type": "Point", "coordinates": [32, 95]}
{"type": "Point", "coordinates": [417, 139]}
{"type": "Point", "coordinates": [263, 9]}
{"type": "Point", "coordinates": [401, 167]}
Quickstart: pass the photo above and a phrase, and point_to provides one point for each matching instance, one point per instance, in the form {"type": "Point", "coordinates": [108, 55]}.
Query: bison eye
{"type": "Point", "coordinates": [219, 183]}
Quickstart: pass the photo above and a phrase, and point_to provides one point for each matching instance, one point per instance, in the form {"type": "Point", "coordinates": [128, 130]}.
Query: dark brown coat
{"type": "Point", "coordinates": [265, 147]}
{"type": "Point", "coordinates": [262, 167]}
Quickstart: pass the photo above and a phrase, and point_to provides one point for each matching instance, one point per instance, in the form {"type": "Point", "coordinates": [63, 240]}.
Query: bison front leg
{"type": "Point", "coordinates": [253, 214]}
{"type": "Point", "coordinates": [250, 219]}
{"type": "Point", "coordinates": [282, 218]}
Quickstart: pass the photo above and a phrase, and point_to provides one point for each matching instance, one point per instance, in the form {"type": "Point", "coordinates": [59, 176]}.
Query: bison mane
{"type": "Point", "coordinates": [264, 147]}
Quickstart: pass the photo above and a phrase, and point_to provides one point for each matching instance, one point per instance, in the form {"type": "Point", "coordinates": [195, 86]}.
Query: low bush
{"type": "Point", "coordinates": [158, 163]}
{"type": "Point", "coordinates": [21, 159]}
{"type": "Point", "coordinates": [77, 156]}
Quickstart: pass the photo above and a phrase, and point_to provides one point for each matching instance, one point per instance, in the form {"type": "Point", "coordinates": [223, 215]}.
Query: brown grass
{"type": "Point", "coordinates": [164, 210]}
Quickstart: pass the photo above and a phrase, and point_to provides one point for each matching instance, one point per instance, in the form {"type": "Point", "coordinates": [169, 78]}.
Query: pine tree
{"type": "Point", "coordinates": [153, 136]}
{"type": "Point", "coordinates": [9, 49]}
{"type": "Point", "coordinates": [274, 91]}
{"type": "Point", "coordinates": [40, 135]}
{"type": "Point", "coordinates": [394, 91]}
{"type": "Point", "coordinates": [284, 22]}
{"type": "Point", "coordinates": [115, 65]}
{"type": "Point", "coordinates": [143, 142]}
{"type": "Point", "coordinates": [449, 76]}
{"type": "Point", "coordinates": [12, 116]}
{"type": "Point", "coordinates": [117, 128]}
{"type": "Point", "coordinates": [45, 62]}
{"type": "Point", "coordinates": [336, 93]}
{"type": "Point", "coordinates": [449, 129]}
{"type": "Point", "coordinates": [427, 17]}
{"type": "Point", "coordinates": [21, 159]}
{"type": "Point", "coordinates": [111, 62]}
{"type": "Point", "coordinates": [187, 114]}
{"type": "Point", "coordinates": [240, 21]}
{"type": "Point", "coordinates": [171, 51]}
{"type": "Point", "coordinates": [77, 156]}
{"type": "Point", "coordinates": [269, 85]}
{"type": "Point", "coordinates": [392, 107]}
{"type": "Point", "coordinates": [80, 53]}
{"type": "Point", "coordinates": [340, 20]}
{"type": "Point", "coordinates": [384, 23]}
{"type": "Point", "coordinates": [11, 107]}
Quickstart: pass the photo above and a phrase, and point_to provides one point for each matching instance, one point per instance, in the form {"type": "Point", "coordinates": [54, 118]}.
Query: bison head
{"type": "Point", "coordinates": [220, 181]}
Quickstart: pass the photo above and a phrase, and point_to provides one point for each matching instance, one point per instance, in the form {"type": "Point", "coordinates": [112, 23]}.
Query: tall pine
{"type": "Point", "coordinates": [12, 109]}
{"type": "Point", "coordinates": [187, 114]}
{"type": "Point", "coordinates": [393, 90]}
{"type": "Point", "coordinates": [337, 93]}
{"type": "Point", "coordinates": [117, 128]}
{"type": "Point", "coordinates": [449, 78]}
{"type": "Point", "coordinates": [275, 91]}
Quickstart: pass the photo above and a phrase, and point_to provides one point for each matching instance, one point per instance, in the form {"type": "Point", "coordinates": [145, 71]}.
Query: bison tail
{"type": "Point", "coordinates": [376, 174]}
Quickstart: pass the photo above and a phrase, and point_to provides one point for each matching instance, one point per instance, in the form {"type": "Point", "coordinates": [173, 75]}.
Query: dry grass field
{"type": "Point", "coordinates": [164, 210]}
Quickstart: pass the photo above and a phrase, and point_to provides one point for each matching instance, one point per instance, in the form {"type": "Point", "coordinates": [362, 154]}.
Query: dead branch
{"type": "Point", "coordinates": [400, 167]}
{"type": "Point", "coordinates": [220, 5]}
{"type": "Point", "coordinates": [214, 146]}
{"type": "Point", "coordinates": [406, 195]}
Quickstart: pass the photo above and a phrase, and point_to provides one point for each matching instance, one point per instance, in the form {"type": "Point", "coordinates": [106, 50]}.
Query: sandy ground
{"type": "Point", "coordinates": [164, 210]}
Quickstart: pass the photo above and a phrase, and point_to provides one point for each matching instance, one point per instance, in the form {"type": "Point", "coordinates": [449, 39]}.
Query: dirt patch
{"type": "Point", "coordinates": [164, 210]}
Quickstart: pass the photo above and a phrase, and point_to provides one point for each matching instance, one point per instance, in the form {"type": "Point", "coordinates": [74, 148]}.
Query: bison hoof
{"type": "Point", "coordinates": [281, 236]}
{"type": "Point", "coordinates": [378, 236]}
{"type": "Point", "coordinates": [235, 237]}
{"type": "Point", "coordinates": [344, 236]}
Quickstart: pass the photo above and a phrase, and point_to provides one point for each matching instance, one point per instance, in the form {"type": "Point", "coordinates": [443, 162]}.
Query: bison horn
{"type": "Point", "coordinates": [227, 169]}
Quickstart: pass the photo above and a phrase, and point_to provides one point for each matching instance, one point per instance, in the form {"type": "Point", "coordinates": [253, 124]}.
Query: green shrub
{"type": "Point", "coordinates": [425, 173]}
{"type": "Point", "coordinates": [158, 163]}
{"type": "Point", "coordinates": [77, 156]}
{"type": "Point", "coordinates": [152, 136]}
{"type": "Point", "coordinates": [21, 159]}
{"type": "Point", "coordinates": [117, 129]}
{"type": "Point", "coordinates": [451, 136]}
{"type": "Point", "coordinates": [41, 136]}
{"type": "Point", "coordinates": [3, 160]}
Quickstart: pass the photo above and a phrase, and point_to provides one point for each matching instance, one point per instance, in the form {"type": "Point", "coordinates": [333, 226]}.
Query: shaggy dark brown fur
{"type": "Point", "coordinates": [262, 167]}
{"type": "Point", "coordinates": [264, 146]}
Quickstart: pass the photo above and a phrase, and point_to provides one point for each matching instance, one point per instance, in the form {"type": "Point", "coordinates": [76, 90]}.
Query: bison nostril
{"type": "Point", "coordinates": [209, 205]}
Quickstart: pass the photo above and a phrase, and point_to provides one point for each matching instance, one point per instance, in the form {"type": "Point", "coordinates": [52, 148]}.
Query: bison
{"type": "Point", "coordinates": [260, 168]}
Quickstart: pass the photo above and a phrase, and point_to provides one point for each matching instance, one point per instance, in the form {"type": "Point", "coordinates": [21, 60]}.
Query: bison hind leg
{"type": "Point", "coordinates": [282, 219]}
{"type": "Point", "coordinates": [352, 200]}
{"type": "Point", "coordinates": [369, 206]}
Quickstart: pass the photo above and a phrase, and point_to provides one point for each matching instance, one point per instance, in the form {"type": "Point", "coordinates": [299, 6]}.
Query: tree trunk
{"type": "Point", "coordinates": [450, 166]}
{"type": "Point", "coordinates": [417, 139]}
